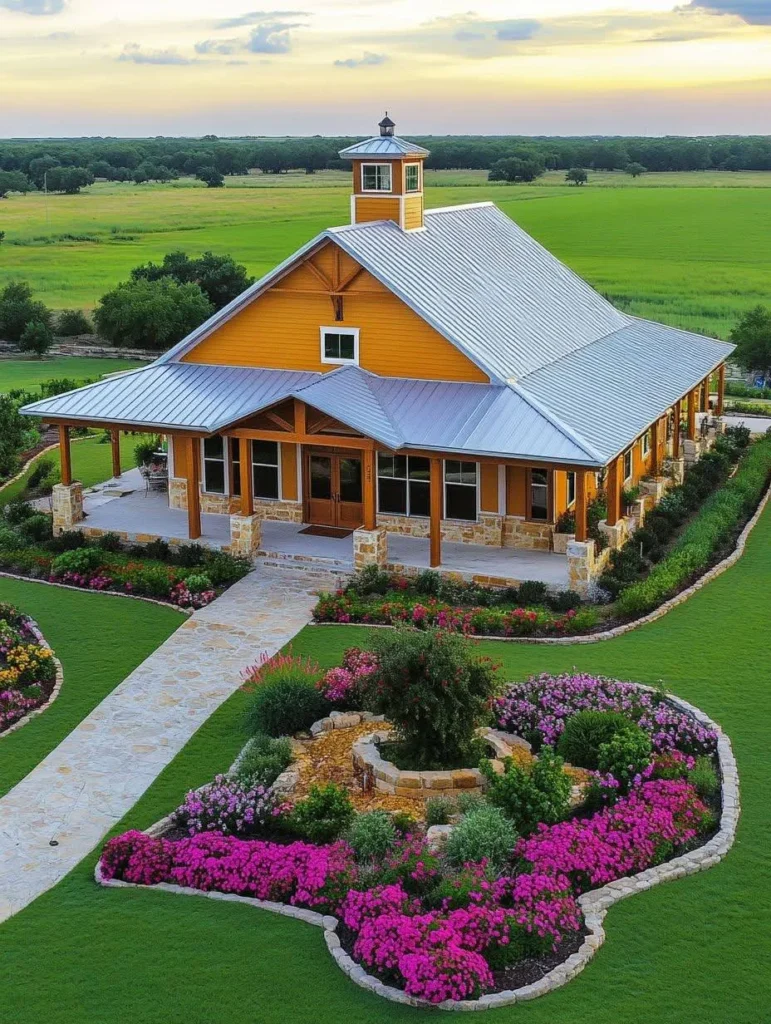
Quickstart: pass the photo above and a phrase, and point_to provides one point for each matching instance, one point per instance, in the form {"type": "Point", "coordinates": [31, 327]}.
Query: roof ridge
{"type": "Point", "coordinates": [555, 421]}
{"type": "Point", "coordinates": [459, 206]}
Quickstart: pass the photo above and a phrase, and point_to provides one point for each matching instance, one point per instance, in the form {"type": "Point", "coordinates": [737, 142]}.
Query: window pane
{"type": "Point", "coordinates": [420, 498]}
{"type": "Point", "coordinates": [235, 483]}
{"type": "Point", "coordinates": [212, 448]}
{"type": "Point", "coordinates": [321, 477]}
{"type": "Point", "coordinates": [412, 179]}
{"type": "Point", "coordinates": [420, 469]}
{"type": "Point", "coordinates": [392, 465]}
{"type": "Point", "coordinates": [392, 496]}
{"type": "Point", "coordinates": [214, 476]}
{"type": "Point", "coordinates": [571, 488]}
{"type": "Point", "coordinates": [369, 177]}
{"type": "Point", "coordinates": [350, 479]}
{"type": "Point", "coordinates": [452, 472]}
{"type": "Point", "coordinates": [461, 502]}
{"type": "Point", "coordinates": [539, 502]}
{"type": "Point", "coordinates": [235, 450]}
{"type": "Point", "coordinates": [346, 346]}
{"type": "Point", "coordinates": [331, 345]}
{"type": "Point", "coordinates": [468, 472]}
{"type": "Point", "coordinates": [265, 452]}
{"type": "Point", "coordinates": [265, 481]}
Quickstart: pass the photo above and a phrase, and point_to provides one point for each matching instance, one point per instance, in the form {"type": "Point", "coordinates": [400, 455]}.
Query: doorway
{"type": "Point", "coordinates": [333, 489]}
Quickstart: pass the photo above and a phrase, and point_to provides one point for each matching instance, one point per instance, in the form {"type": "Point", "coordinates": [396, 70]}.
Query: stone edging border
{"type": "Point", "coordinates": [41, 640]}
{"type": "Point", "coordinates": [627, 627]}
{"type": "Point", "coordinates": [594, 904]}
{"type": "Point", "coordinates": [109, 593]}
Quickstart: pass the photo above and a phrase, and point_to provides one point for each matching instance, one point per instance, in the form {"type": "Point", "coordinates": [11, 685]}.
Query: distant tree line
{"type": "Point", "coordinates": [67, 165]}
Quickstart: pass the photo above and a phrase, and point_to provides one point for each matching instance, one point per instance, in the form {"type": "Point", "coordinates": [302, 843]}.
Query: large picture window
{"type": "Point", "coordinates": [376, 177]}
{"type": "Point", "coordinates": [460, 490]}
{"type": "Point", "coordinates": [403, 485]}
{"type": "Point", "coordinates": [265, 469]}
{"type": "Point", "coordinates": [214, 465]}
{"type": "Point", "coordinates": [539, 495]}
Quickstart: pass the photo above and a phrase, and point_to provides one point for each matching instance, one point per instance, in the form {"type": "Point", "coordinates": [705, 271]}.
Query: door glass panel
{"type": "Point", "coordinates": [350, 480]}
{"type": "Point", "coordinates": [321, 477]}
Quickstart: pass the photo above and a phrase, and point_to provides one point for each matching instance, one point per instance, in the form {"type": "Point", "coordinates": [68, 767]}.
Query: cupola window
{"type": "Point", "coordinates": [412, 178]}
{"type": "Point", "coordinates": [376, 177]}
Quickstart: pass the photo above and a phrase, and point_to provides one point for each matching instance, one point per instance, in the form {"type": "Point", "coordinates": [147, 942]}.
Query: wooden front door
{"type": "Point", "coordinates": [333, 488]}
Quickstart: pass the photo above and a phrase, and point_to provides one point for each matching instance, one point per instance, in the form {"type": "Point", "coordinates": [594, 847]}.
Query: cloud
{"type": "Point", "coordinates": [675, 36]}
{"type": "Point", "coordinates": [368, 60]}
{"type": "Point", "coordinates": [225, 46]}
{"type": "Point", "coordinates": [257, 17]}
{"type": "Point", "coordinates": [271, 37]}
{"type": "Point", "coordinates": [36, 7]}
{"type": "Point", "coordinates": [136, 55]}
{"type": "Point", "coordinates": [754, 12]}
{"type": "Point", "coordinates": [518, 29]}
{"type": "Point", "coordinates": [465, 35]}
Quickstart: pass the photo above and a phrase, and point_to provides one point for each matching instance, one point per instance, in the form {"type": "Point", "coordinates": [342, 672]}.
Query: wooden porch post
{"type": "Point", "coordinates": [435, 525]}
{"type": "Point", "coordinates": [193, 488]}
{"type": "Point", "coordinates": [615, 473]}
{"type": "Point", "coordinates": [368, 473]}
{"type": "Point", "coordinates": [245, 468]}
{"type": "Point", "coordinates": [582, 525]}
{"type": "Point", "coordinates": [64, 455]}
{"type": "Point", "coordinates": [655, 455]}
{"type": "Point", "coordinates": [705, 395]}
{"type": "Point", "coordinates": [115, 443]}
{"type": "Point", "coordinates": [676, 434]}
{"type": "Point", "coordinates": [690, 432]}
{"type": "Point", "coordinates": [720, 389]}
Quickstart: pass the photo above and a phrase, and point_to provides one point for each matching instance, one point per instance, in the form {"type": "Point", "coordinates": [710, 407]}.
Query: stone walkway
{"type": "Point", "coordinates": [100, 770]}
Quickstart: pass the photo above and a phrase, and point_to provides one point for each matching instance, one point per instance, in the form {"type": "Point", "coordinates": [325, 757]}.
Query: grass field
{"type": "Point", "coordinates": [26, 373]}
{"type": "Point", "coordinates": [690, 952]}
{"type": "Point", "coordinates": [691, 249]}
{"type": "Point", "coordinates": [98, 643]}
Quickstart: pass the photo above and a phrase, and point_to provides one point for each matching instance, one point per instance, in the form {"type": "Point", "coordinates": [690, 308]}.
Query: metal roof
{"type": "Point", "coordinates": [387, 147]}
{"type": "Point", "coordinates": [612, 390]}
{"type": "Point", "coordinates": [189, 396]}
{"type": "Point", "coordinates": [346, 394]}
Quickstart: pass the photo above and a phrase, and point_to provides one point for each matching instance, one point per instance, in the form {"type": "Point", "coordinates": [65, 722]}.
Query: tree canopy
{"type": "Point", "coordinates": [14, 181]}
{"type": "Point", "coordinates": [577, 176]}
{"type": "Point", "coordinates": [752, 336]}
{"type": "Point", "coordinates": [151, 314]}
{"type": "Point", "coordinates": [220, 278]}
{"type": "Point", "coordinates": [517, 168]}
{"type": "Point", "coordinates": [18, 308]}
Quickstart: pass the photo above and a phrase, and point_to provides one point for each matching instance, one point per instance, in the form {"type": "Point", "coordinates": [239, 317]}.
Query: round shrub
{"type": "Point", "coordinates": [438, 810]}
{"type": "Point", "coordinates": [284, 706]}
{"type": "Point", "coordinates": [9, 539]}
{"type": "Point", "coordinates": [704, 777]}
{"type": "Point", "coordinates": [483, 834]}
{"type": "Point", "coordinates": [563, 600]}
{"type": "Point", "coordinates": [158, 549]}
{"type": "Point", "coordinates": [81, 560]}
{"type": "Point", "coordinates": [324, 814]}
{"type": "Point", "coordinates": [371, 835]}
{"type": "Point", "coordinates": [190, 555]}
{"type": "Point", "coordinates": [17, 511]}
{"type": "Point", "coordinates": [532, 592]}
{"type": "Point", "coordinates": [263, 760]}
{"type": "Point", "coordinates": [109, 542]}
{"type": "Point", "coordinates": [67, 540]}
{"type": "Point", "coordinates": [585, 733]}
{"type": "Point", "coordinates": [36, 529]}
{"type": "Point", "coordinates": [197, 582]}
{"type": "Point", "coordinates": [540, 793]}
{"type": "Point", "coordinates": [625, 756]}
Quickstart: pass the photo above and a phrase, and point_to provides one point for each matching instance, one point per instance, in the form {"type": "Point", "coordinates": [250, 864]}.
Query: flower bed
{"type": "Point", "coordinates": [27, 668]}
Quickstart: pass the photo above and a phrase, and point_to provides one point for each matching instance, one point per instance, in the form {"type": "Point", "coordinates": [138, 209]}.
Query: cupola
{"type": "Point", "coordinates": [387, 178]}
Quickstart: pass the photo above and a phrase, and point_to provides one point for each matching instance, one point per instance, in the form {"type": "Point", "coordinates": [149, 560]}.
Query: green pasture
{"type": "Point", "coordinates": [27, 373]}
{"type": "Point", "coordinates": [691, 249]}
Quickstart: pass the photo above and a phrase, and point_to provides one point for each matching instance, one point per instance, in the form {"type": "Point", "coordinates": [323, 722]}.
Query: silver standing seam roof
{"type": "Point", "coordinates": [385, 147]}
{"type": "Point", "coordinates": [573, 379]}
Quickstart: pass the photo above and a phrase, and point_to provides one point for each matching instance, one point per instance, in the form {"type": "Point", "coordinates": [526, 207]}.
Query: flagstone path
{"type": "Point", "coordinates": [95, 775]}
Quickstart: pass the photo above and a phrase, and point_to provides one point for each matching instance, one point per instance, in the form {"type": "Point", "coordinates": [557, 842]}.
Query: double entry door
{"type": "Point", "coordinates": [333, 489]}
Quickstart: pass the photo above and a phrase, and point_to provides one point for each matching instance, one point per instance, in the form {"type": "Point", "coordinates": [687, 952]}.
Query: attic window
{"type": "Point", "coordinates": [376, 177]}
{"type": "Point", "coordinates": [339, 346]}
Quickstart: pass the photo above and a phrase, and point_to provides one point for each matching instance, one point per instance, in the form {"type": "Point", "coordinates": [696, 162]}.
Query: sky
{"type": "Point", "coordinates": [331, 67]}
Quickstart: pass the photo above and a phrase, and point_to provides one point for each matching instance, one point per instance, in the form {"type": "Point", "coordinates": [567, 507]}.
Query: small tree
{"type": "Point", "coordinates": [14, 181]}
{"type": "Point", "coordinates": [517, 168]}
{"type": "Point", "coordinates": [36, 337]}
{"type": "Point", "coordinates": [577, 176]}
{"type": "Point", "coordinates": [151, 314]}
{"type": "Point", "coordinates": [72, 322]}
{"type": "Point", "coordinates": [220, 278]}
{"type": "Point", "coordinates": [635, 169]}
{"type": "Point", "coordinates": [17, 309]}
{"type": "Point", "coordinates": [752, 336]}
{"type": "Point", "coordinates": [68, 179]}
{"type": "Point", "coordinates": [211, 176]}
{"type": "Point", "coordinates": [14, 433]}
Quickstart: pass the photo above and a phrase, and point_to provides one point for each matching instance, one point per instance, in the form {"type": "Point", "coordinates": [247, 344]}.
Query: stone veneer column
{"type": "Point", "coordinates": [177, 492]}
{"type": "Point", "coordinates": [67, 502]}
{"type": "Point", "coordinates": [245, 535]}
{"type": "Point", "coordinates": [580, 556]}
{"type": "Point", "coordinates": [616, 534]}
{"type": "Point", "coordinates": [370, 547]}
{"type": "Point", "coordinates": [691, 451]}
{"type": "Point", "coordinates": [677, 470]}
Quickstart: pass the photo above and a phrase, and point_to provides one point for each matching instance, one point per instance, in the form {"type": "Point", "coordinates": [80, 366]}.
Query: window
{"type": "Point", "coordinates": [460, 490]}
{"type": "Point", "coordinates": [265, 469]}
{"type": "Point", "coordinates": [339, 346]}
{"type": "Point", "coordinates": [376, 177]}
{"type": "Point", "coordinates": [235, 466]}
{"type": "Point", "coordinates": [571, 490]}
{"type": "Point", "coordinates": [214, 465]}
{"type": "Point", "coordinates": [539, 494]}
{"type": "Point", "coordinates": [646, 443]}
{"type": "Point", "coordinates": [403, 485]}
{"type": "Point", "coordinates": [412, 178]}
{"type": "Point", "coordinates": [628, 465]}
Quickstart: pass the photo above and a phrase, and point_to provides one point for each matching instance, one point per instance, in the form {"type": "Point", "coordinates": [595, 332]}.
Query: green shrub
{"type": "Point", "coordinates": [80, 560]}
{"type": "Point", "coordinates": [68, 540]}
{"type": "Point", "coordinates": [563, 600]}
{"type": "Point", "coordinates": [36, 529]}
{"type": "Point", "coordinates": [42, 470]}
{"type": "Point", "coordinates": [9, 539]}
{"type": "Point", "coordinates": [483, 834]}
{"type": "Point", "coordinates": [144, 452]}
{"type": "Point", "coordinates": [428, 582]}
{"type": "Point", "coordinates": [370, 580]}
{"type": "Point", "coordinates": [371, 835]}
{"type": "Point", "coordinates": [72, 322]}
{"type": "Point", "coordinates": [151, 581]}
{"type": "Point", "coordinates": [624, 756]}
{"type": "Point", "coordinates": [158, 550]}
{"type": "Point", "coordinates": [434, 690]}
{"type": "Point", "coordinates": [438, 810]}
{"type": "Point", "coordinates": [532, 592]}
{"type": "Point", "coordinates": [529, 796]}
{"type": "Point", "coordinates": [189, 556]}
{"type": "Point", "coordinates": [109, 542]}
{"type": "Point", "coordinates": [263, 760]}
{"type": "Point", "coordinates": [585, 733]}
{"type": "Point", "coordinates": [285, 699]}
{"type": "Point", "coordinates": [468, 801]}
{"type": "Point", "coordinates": [404, 823]}
{"type": "Point", "coordinates": [704, 777]}
{"type": "Point", "coordinates": [224, 569]}
{"type": "Point", "coordinates": [197, 582]}
{"type": "Point", "coordinates": [17, 511]}
{"type": "Point", "coordinates": [323, 815]}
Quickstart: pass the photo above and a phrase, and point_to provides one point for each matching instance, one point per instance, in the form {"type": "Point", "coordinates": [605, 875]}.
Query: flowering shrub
{"type": "Point", "coordinates": [182, 595]}
{"type": "Point", "coordinates": [343, 685]}
{"type": "Point", "coordinates": [27, 669]}
{"type": "Point", "coordinates": [228, 807]}
{"type": "Point", "coordinates": [538, 709]}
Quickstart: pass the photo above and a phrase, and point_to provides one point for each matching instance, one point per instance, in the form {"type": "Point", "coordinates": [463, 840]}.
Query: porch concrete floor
{"type": "Point", "coordinates": [147, 512]}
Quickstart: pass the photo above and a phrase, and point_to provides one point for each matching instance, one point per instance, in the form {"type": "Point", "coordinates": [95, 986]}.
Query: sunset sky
{"type": "Point", "coordinates": [569, 67]}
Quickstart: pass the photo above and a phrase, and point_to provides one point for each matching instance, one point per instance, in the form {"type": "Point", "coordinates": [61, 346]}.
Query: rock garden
{"type": "Point", "coordinates": [28, 671]}
{"type": "Point", "coordinates": [457, 836]}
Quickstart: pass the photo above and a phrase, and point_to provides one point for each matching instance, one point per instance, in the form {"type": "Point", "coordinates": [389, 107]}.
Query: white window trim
{"type": "Point", "coordinates": [229, 483]}
{"type": "Point", "coordinates": [409, 514]}
{"type": "Point", "coordinates": [323, 331]}
{"type": "Point", "coordinates": [412, 191]}
{"type": "Point", "coordinates": [378, 191]}
{"type": "Point", "coordinates": [444, 491]}
{"type": "Point", "coordinates": [225, 474]}
{"type": "Point", "coordinates": [645, 443]}
{"type": "Point", "coordinates": [628, 476]}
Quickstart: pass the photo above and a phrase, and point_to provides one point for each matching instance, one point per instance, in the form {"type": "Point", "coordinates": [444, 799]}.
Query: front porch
{"type": "Point", "coordinates": [141, 515]}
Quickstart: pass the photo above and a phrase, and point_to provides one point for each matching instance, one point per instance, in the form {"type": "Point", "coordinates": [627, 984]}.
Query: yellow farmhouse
{"type": "Point", "coordinates": [434, 382]}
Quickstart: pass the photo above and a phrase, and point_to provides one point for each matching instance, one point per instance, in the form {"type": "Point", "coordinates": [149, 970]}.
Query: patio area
{"type": "Point", "coordinates": [125, 506]}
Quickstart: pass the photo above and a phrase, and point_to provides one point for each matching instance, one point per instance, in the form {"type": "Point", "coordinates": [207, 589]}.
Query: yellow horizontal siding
{"type": "Point", "coordinates": [413, 212]}
{"type": "Point", "coordinates": [488, 498]}
{"type": "Point", "coordinates": [374, 208]}
{"type": "Point", "coordinates": [289, 472]}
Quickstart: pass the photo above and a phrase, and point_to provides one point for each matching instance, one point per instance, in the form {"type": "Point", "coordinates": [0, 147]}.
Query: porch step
{"type": "Point", "coordinates": [310, 563]}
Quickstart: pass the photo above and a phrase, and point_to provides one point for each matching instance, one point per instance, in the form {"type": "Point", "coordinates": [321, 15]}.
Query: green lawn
{"type": "Point", "coordinates": [691, 952]}
{"type": "Point", "coordinates": [26, 373]}
{"type": "Point", "coordinates": [91, 463]}
{"type": "Point", "coordinates": [99, 641]}
{"type": "Point", "coordinates": [692, 249]}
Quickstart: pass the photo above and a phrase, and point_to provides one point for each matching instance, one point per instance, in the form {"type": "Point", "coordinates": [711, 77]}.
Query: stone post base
{"type": "Point", "coordinates": [245, 535]}
{"type": "Point", "coordinates": [580, 566]}
{"type": "Point", "coordinates": [370, 547]}
{"type": "Point", "coordinates": [67, 501]}
{"type": "Point", "coordinates": [655, 487]}
{"type": "Point", "coordinates": [177, 492]}
{"type": "Point", "coordinates": [616, 534]}
{"type": "Point", "coordinates": [677, 470]}
{"type": "Point", "coordinates": [691, 451]}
